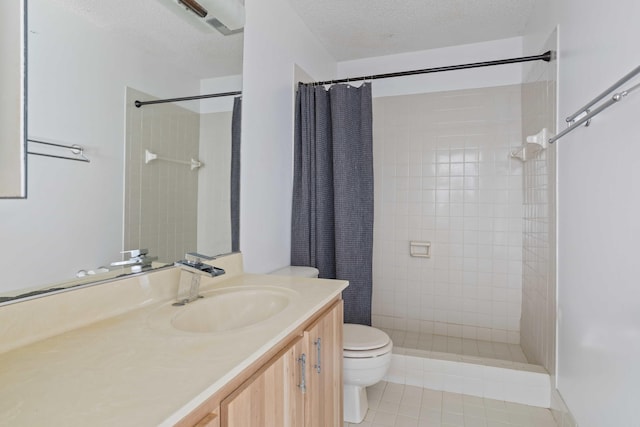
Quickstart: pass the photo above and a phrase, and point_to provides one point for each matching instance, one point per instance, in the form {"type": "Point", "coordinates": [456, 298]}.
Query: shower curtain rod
{"type": "Point", "coordinates": [547, 56]}
{"type": "Point", "coordinates": [139, 104]}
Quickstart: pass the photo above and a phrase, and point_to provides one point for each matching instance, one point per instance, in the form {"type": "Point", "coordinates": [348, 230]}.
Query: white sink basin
{"type": "Point", "coordinates": [230, 309]}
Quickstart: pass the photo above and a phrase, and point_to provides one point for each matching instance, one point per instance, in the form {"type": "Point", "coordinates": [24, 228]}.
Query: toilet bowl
{"type": "Point", "coordinates": [366, 360]}
{"type": "Point", "coordinates": [366, 357]}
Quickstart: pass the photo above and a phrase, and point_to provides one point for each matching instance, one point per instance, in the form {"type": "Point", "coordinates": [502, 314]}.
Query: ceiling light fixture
{"type": "Point", "coordinates": [226, 16]}
{"type": "Point", "coordinates": [195, 7]}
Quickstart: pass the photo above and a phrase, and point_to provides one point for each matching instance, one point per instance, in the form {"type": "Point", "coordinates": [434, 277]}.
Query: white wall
{"type": "Point", "coordinates": [598, 211]}
{"type": "Point", "coordinates": [214, 183]}
{"type": "Point", "coordinates": [214, 191]}
{"type": "Point", "coordinates": [275, 40]}
{"type": "Point", "coordinates": [219, 85]}
{"type": "Point", "coordinates": [73, 217]}
{"type": "Point", "coordinates": [453, 80]}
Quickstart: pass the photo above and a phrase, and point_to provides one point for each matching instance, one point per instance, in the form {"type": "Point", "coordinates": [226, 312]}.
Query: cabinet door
{"type": "Point", "coordinates": [323, 400]}
{"type": "Point", "coordinates": [210, 420]}
{"type": "Point", "coordinates": [272, 397]}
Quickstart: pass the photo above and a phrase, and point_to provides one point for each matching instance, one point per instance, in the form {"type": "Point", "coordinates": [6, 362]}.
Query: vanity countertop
{"type": "Point", "coordinates": [123, 371]}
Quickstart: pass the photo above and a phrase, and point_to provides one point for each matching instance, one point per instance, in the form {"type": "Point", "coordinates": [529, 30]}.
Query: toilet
{"type": "Point", "coordinates": [366, 356]}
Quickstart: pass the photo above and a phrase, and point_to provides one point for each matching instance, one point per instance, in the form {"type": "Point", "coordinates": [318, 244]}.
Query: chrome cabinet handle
{"type": "Point", "coordinates": [317, 365]}
{"type": "Point", "coordinates": [303, 367]}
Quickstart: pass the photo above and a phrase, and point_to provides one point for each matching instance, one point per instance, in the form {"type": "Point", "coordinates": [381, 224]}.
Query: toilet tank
{"type": "Point", "coordinates": [299, 271]}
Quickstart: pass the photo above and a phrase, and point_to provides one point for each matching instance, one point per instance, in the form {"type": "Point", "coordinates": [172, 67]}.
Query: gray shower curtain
{"type": "Point", "coordinates": [332, 218]}
{"type": "Point", "coordinates": [236, 121]}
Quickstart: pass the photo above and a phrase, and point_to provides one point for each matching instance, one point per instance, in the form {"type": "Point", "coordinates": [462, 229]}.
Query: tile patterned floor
{"type": "Point", "coordinates": [396, 405]}
{"type": "Point", "coordinates": [462, 346]}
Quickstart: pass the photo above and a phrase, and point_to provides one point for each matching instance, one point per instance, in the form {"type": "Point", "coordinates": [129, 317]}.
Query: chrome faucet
{"type": "Point", "coordinates": [192, 270]}
{"type": "Point", "coordinates": [138, 259]}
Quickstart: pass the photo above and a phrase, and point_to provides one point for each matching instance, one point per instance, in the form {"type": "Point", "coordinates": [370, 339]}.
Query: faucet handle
{"type": "Point", "coordinates": [136, 252]}
{"type": "Point", "coordinates": [137, 257]}
{"type": "Point", "coordinates": [195, 257]}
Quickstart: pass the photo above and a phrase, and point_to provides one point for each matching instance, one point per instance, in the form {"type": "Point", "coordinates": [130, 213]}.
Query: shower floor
{"type": "Point", "coordinates": [452, 345]}
{"type": "Point", "coordinates": [491, 370]}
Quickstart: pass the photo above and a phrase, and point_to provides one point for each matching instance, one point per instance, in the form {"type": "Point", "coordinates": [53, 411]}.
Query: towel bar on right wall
{"type": "Point", "coordinates": [586, 114]}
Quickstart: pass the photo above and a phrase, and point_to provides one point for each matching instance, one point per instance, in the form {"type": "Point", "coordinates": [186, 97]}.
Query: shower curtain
{"type": "Point", "coordinates": [332, 216]}
{"type": "Point", "coordinates": [236, 121]}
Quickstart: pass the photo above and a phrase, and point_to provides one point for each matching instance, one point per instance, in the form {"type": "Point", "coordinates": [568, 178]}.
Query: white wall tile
{"type": "Point", "coordinates": [446, 177]}
{"type": "Point", "coordinates": [537, 265]}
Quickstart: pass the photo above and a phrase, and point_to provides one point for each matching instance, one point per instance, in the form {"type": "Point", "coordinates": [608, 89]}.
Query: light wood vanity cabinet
{"type": "Point", "coordinates": [323, 405]}
{"type": "Point", "coordinates": [211, 420]}
{"type": "Point", "coordinates": [272, 397]}
{"type": "Point", "coordinates": [277, 391]}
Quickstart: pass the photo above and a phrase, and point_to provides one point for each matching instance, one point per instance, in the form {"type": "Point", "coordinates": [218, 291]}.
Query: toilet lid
{"type": "Point", "coordinates": [361, 337]}
{"type": "Point", "coordinates": [299, 271]}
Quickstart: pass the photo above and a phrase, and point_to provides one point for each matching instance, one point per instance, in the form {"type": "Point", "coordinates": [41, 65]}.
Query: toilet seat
{"type": "Point", "coordinates": [364, 354]}
{"type": "Point", "coordinates": [361, 341]}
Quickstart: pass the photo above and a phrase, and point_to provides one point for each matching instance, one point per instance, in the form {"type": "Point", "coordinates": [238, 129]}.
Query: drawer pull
{"type": "Point", "coordinates": [317, 365]}
{"type": "Point", "coordinates": [303, 368]}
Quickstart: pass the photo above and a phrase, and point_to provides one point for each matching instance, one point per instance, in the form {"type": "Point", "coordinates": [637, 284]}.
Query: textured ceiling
{"type": "Point", "coordinates": [352, 29]}
{"type": "Point", "coordinates": [349, 29]}
{"type": "Point", "coordinates": [154, 28]}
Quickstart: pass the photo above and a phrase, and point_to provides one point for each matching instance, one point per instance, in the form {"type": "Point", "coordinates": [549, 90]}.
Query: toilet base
{"type": "Point", "coordinates": [355, 403]}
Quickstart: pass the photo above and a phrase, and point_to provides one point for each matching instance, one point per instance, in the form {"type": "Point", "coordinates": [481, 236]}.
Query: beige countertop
{"type": "Point", "coordinates": [126, 371]}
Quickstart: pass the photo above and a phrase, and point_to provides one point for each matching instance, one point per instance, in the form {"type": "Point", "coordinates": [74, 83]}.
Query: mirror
{"type": "Point", "coordinates": [12, 107]}
{"type": "Point", "coordinates": [87, 59]}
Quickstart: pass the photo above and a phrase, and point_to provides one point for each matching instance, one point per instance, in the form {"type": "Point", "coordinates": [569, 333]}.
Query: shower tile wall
{"type": "Point", "coordinates": [160, 197]}
{"type": "Point", "coordinates": [539, 270]}
{"type": "Point", "coordinates": [443, 174]}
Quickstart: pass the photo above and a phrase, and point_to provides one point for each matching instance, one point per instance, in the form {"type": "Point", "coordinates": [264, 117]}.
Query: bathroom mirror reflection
{"type": "Point", "coordinates": [87, 61]}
